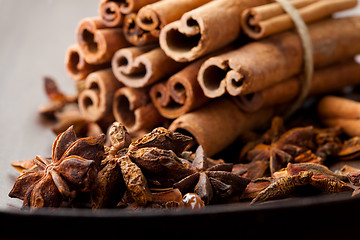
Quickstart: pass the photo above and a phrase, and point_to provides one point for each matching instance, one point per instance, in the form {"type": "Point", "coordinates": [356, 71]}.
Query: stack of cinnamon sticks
{"type": "Point", "coordinates": [191, 65]}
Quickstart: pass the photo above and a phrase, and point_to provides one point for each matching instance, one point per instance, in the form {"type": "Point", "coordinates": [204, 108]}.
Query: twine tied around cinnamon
{"type": "Point", "coordinates": [308, 54]}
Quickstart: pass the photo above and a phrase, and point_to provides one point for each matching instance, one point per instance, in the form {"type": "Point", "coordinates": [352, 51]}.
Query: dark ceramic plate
{"type": "Point", "coordinates": [34, 36]}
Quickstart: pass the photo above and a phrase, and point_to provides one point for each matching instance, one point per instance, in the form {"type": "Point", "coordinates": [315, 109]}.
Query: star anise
{"type": "Point", "coordinates": [211, 182]}
{"type": "Point", "coordinates": [351, 149]}
{"type": "Point", "coordinates": [130, 166]}
{"type": "Point", "coordinates": [71, 169]}
{"type": "Point", "coordinates": [285, 149]}
{"type": "Point", "coordinates": [57, 99]}
{"type": "Point", "coordinates": [300, 175]}
{"type": "Point", "coordinates": [163, 139]}
{"type": "Point", "coordinates": [156, 153]}
{"type": "Point", "coordinates": [328, 142]}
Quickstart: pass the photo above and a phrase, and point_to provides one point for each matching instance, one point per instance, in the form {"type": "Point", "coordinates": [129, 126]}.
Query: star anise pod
{"type": "Point", "coordinates": [72, 168]}
{"type": "Point", "coordinates": [351, 149]}
{"type": "Point", "coordinates": [282, 151]}
{"type": "Point", "coordinates": [57, 99]}
{"type": "Point", "coordinates": [328, 142]}
{"type": "Point", "coordinates": [300, 175]}
{"type": "Point", "coordinates": [156, 153]}
{"type": "Point", "coordinates": [211, 183]}
{"type": "Point", "coordinates": [130, 166]}
{"type": "Point", "coordinates": [163, 139]}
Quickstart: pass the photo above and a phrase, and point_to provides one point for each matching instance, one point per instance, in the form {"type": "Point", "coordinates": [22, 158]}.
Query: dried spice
{"type": "Point", "coordinates": [72, 168]}
{"type": "Point", "coordinates": [162, 166]}
{"type": "Point", "coordinates": [109, 186]}
{"type": "Point", "coordinates": [163, 139]}
{"type": "Point", "coordinates": [328, 142]}
{"type": "Point", "coordinates": [24, 165]}
{"type": "Point", "coordinates": [168, 199]}
{"type": "Point", "coordinates": [255, 187]}
{"type": "Point", "coordinates": [135, 181]}
{"type": "Point", "coordinates": [283, 187]}
{"type": "Point", "coordinates": [193, 201]}
{"type": "Point", "coordinates": [297, 145]}
{"type": "Point", "coordinates": [122, 173]}
{"type": "Point", "coordinates": [303, 174]}
{"type": "Point", "coordinates": [350, 149]}
{"type": "Point", "coordinates": [156, 171]}
{"type": "Point", "coordinates": [276, 157]}
{"type": "Point", "coordinates": [57, 99]}
{"type": "Point", "coordinates": [213, 183]}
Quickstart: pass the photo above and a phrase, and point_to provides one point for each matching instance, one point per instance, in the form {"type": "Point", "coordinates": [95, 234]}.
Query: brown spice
{"type": "Point", "coordinates": [72, 168]}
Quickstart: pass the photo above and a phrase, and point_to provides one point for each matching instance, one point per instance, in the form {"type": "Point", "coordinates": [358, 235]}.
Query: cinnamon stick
{"type": "Point", "coordinates": [204, 29]}
{"type": "Point", "coordinates": [338, 107]}
{"type": "Point", "coordinates": [263, 63]}
{"type": "Point", "coordinates": [142, 66]}
{"type": "Point", "coordinates": [325, 80]}
{"type": "Point", "coordinates": [217, 124]}
{"type": "Point", "coordinates": [110, 13]}
{"type": "Point", "coordinates": [77, 67]}
{"type": "Point", "coordinates": [262, 21]}
{"type": "Point", "coordinates": [134, 34]}
{"type": "Point", "coordinates": [180, 94]}
{"type": "Point", "coordinates": [133, 108]}
{"type": "Point", "coordinates": [351, 127]}
{"type": "Point", "coordinates": [153, 17]}
{"type": "Point", "coordinates": [97, 42]}
{"type": "Point", "coordinates": [95, 102]}
{"type": "Point", "coordinates": [337, 111]}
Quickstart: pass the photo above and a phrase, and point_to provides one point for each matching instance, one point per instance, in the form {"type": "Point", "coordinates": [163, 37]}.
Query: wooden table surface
{"type": "Point", "coordinates": [34, 36]}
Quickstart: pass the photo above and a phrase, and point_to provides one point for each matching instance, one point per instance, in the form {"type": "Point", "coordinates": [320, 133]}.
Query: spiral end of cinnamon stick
{"type": "Point", "coordinates": [134, 34]}
{"type": "Point", "coordinates": [250, 24]}
{"type": "Point", "coordinates": [130, 69]}
{"type": "Point", "coordinates": [182, 42]}
{"type": "Point", "coordinates": [95, 102]}
{"type": "Point", "coordinates": [75, 63]}
{"type": "Point", "coordinates": [211, 77]}
{"type": "Point", "coordinates": [133, 108]}
{"type": "Point", "coordinates": [90, 42]}
{"type": "Point", "coordinates": [171, 101]}
{"type": "Point", "coordinates": [110, 12]}
{"type": "Point", "coordinates": [148, 20]}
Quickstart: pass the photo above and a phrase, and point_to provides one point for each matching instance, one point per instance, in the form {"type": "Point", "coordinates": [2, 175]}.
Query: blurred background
{"type": "Point", "coordinates": [34, 36]}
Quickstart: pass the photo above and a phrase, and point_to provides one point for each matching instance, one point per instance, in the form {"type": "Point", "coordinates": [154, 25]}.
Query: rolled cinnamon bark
{"type": "Point", "coordinates": [153, 17]}
{"type": "Point", "coordinates": [98, 43]}
{"type": "Point", "coordinates": [110, 13]}
{"type": "Point", "coordinates": [340, 112]}
{"type": "Point", "coordinates": [204, 29]}
{"type": "Point", "coordinates": [262, 21]}
{"type": "Point", "coordinates": [95, 102]}
{"type": "Point", "coordinates": [142, 66]}
{"type": "Point", "coordinates": [325, 80]}
{"type": "Point", "coordinates": [180, 94]}
{"type": "Point", "coordinates": [351, 127]}
{"type": "Point", "coordinates": [338, 107]}
{"type": "Point", "coordinates": [263, 63]}
{"type": "Point", "coordinates": [77, 67]}
{"type": "Point", "coordinates": [134, 34]}
{"type": "Point", "coordinates": [217, 124]}
{"type": "Point", "coordinates": [133, 108]}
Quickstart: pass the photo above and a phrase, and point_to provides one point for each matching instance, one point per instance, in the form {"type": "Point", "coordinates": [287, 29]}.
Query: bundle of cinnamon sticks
{"type": "Point", "coordinates": [192, 66]}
